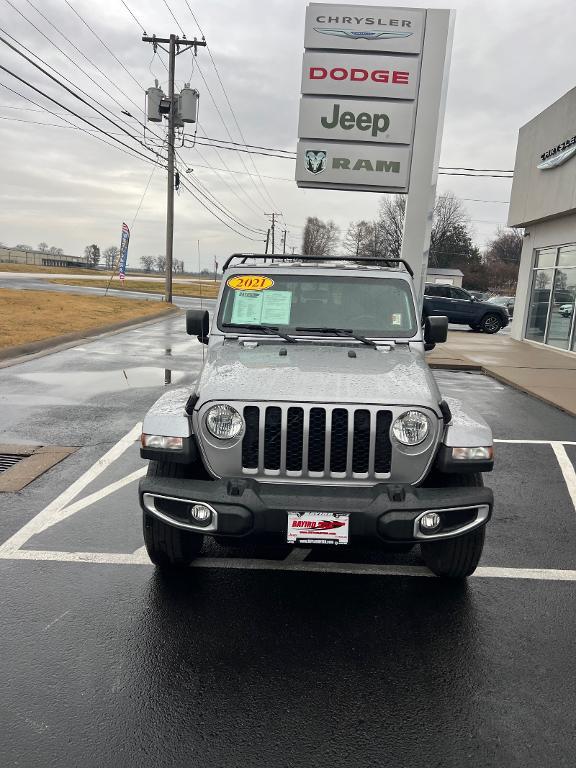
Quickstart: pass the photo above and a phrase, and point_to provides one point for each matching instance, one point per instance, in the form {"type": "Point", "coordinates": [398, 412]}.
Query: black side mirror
{"type": "Point", "coordinates": [198, 324]}
{"type": "Point", "coordinates": [435, 331]}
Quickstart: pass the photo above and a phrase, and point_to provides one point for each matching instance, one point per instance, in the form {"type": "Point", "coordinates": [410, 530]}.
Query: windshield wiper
{"type": "Point", "coordinates": [270, 329]}
{"type": "Point", "coordinates": [344, 332]}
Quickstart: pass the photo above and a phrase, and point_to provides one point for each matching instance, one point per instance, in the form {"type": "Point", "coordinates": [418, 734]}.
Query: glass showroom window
{"type": "Point", "coordinates": [552, 298]}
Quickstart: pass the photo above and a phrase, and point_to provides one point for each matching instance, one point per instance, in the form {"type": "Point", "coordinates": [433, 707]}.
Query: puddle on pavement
{"type": "Point", "coordinates": [91, 383]}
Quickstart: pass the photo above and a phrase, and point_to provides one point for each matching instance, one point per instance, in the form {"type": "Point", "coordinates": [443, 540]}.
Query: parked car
{"type": "Point", "coordinates": [463, 309]}
{"type": "Point", "coordinates": [503, 301]}
{"type": "Point", "coordinates": [480, 295]}
{"type": "Point", "coordinates": [566, 310]}
{"type": "Point", "coordinates": [316, 421]}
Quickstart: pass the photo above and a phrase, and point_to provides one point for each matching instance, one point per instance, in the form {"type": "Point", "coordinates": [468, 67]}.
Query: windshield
{"type": "Point", "coordinates": [379, 307]}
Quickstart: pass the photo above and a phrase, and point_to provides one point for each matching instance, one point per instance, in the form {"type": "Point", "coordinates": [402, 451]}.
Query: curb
{"type": "Point", "coordinates": [452, 366]}
{"type": "Point", "coordinates": [440, 365]}
{"type": "Point", "coordinates": [25, 352]}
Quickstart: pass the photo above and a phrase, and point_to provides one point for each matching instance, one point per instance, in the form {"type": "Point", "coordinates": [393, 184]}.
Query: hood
{"type": "Point", "coordinates": [322, 373]}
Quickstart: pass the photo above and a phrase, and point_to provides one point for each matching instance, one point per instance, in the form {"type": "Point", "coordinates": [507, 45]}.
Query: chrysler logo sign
{"type": "Point", "coordinates": [360, 34]}
{"type": "Point", "coordinates": [557, 155]}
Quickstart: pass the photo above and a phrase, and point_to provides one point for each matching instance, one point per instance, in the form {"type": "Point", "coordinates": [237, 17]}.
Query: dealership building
{"type": "Point", "coordinates": [543, 202]}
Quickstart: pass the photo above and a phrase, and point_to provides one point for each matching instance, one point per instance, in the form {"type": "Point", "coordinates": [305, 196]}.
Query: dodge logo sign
{"type": "Point", "coordinates": [315, 161]}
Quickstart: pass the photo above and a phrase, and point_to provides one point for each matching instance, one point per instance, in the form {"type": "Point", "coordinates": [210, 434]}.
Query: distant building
{"type": "Point", "coordinates": [40, 258]}
{"type": "Point", "coordinates": [444, 276]}
{"type": "Point", "coordinates": [543, 201]}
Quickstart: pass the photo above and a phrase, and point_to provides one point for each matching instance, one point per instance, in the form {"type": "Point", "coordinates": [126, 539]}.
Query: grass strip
{"type": "Point", "coordinates": [28, 316]}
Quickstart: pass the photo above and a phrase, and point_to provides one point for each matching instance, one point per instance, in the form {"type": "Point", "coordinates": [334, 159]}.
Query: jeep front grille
{"type": "Point", "coordinates": [317, 441]}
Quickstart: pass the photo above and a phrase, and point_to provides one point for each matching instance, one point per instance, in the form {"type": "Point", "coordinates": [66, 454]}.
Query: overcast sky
{"type": "Point", "coordinates": [510, 60]}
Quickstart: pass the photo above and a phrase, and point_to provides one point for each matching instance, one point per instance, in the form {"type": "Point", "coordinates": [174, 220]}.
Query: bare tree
{"type": "Point", "coordinates": [357, 239]}
{"type": "Point", "coordinates": [147, 263]}
{"type": "Point", "coordinates": [43, 247]}
{"type": "Point", "coordinates": [391, 225]}
{"type": "Point", "coordinates": [161, 263]}
{"type": "Point", "coordinates": [320, 238]}
{"type": "Point", "coordinates": [23, 247]}
{"type": "Point", "coordinates": [506, 246]}
{"type": "Point", "coordinates": [55, 251]}
{"type": "Point", "coordinates": [110, 256]}
{"type": "Point", "coordinates": [450, 241]}
{"type": "Point", "coordinates": [92, 254]}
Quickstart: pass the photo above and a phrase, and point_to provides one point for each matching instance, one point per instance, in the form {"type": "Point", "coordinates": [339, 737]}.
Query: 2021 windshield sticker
{"type": "Point", "coordinates": [250, 283]}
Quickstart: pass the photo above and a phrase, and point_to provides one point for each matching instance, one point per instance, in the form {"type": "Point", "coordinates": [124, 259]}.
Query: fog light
{"type": "Point", "coordinates": [430, 522]}
{"type": "Point", "coordinates": [201, 514]}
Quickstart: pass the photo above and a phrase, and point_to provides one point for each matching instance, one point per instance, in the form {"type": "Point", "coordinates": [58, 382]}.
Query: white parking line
{"type": "Point", "coordinates": [536, 442]}
{"type": "Point", "coordinates": [567, 470]}
{"type": "Point", "coordinates": [240, 564]}
{"type": "Point", "coordinates": [56, 510]}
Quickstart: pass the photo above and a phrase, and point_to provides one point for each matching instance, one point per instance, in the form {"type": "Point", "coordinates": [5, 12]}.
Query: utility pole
{"type": "Point", "coordinates": [284, 241]}
{"type": "Point", "coordinates": [273, 217]}
{"type": "Point", "coordinates": [267, 241]}
{"type": "Point", "coordinates": [176, 45]}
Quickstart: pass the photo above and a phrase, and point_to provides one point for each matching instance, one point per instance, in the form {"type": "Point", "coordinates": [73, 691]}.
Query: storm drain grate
{"type": "Point", "coordinates": [8, 460]}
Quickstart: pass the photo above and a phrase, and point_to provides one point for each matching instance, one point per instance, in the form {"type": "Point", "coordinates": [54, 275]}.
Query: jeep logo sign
{"type": "Point", "coordinates": [358, 167]}
{"type": "Point", "coordinates": [356, 120]}
{"type": "Point", "coordinates": [381, 77]}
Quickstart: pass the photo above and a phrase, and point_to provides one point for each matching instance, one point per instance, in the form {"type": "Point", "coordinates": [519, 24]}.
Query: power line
{"type": "Point", "coordinates": [97, 36]}
{"type": "Point", "coordinates": [255, 239]}
{"type": "Point", "coordinates": [72, 125]}
{"type": "Point", "coordinates": [138, 155]}
{"type": "Point", "coordinates": [142, 198]}
{"type": "Point", "coordinates": [78, 50]}
{"type": "Point", "coordinates": [202, 189]}
{"type": "Point", "coordinates": [217, 108]}
{"type": "Point", "coordinates": [224, 180]}
{"type": "Point", "coordinates": [70, 59]}
{"type": "Point", "coordinates": [229, 103]}
{"type": "Point", "coordinates": [174, 17]}
{"type": "Point", "coordinates": [134, 17]}
{"type": "Point", "coordinates": [55, 101]}
{"type": "Point", "coordinates": [72, 93]}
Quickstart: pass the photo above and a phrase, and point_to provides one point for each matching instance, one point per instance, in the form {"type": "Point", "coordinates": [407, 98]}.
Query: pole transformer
{"type": "Point", "coordinates": [176, 45]}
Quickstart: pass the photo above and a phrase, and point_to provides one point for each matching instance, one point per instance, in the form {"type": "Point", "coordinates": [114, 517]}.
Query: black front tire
{"type": "Point", "coordinates": [491, 323]}
{"type": "Point", "coordinates": [455, 558]}
{"type": "Point", "coordinates": [168, 547]}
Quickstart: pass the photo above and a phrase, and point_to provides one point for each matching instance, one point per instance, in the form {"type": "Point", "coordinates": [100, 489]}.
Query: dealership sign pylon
{"type": "Point", "coordinates": [374, 84]}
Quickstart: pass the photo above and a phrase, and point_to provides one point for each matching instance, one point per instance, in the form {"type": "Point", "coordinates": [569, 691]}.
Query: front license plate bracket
{"type": "Point", "coordinates": [318, 528]}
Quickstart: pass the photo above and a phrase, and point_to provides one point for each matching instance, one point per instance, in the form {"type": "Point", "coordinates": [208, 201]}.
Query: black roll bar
{"type": "Point", "coordinates": [295, 257]}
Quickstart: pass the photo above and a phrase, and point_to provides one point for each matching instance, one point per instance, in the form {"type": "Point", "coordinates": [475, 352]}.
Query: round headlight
{"type": "Point", "coordinates": [411, 428]}
{"type": "Point", "coordinates": [223, 421]}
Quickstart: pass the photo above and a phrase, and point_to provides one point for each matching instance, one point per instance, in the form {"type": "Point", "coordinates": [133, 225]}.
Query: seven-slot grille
{"type": "Point", "coordinates": [317, 441]}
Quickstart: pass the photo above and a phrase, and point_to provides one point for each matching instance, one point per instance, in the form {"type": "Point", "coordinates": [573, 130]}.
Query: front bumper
{"type": "Point", "coordinates": [246, 508]}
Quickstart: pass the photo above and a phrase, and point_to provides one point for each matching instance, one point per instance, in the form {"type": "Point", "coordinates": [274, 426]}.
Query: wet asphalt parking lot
{"type": "Point", "coordinates": [271, 657]}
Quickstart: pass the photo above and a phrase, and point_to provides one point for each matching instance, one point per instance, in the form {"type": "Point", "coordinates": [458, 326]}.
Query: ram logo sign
{"type": "Point", "coordinates": [315, 161]}
{"type": "Point", "coordinates": [356, 166]}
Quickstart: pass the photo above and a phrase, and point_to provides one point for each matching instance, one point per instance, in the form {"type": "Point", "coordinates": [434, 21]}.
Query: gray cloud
{"type": "Point", "coordinates": [63, 186]}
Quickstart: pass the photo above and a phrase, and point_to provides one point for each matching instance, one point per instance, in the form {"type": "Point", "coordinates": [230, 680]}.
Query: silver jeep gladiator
{"type": "Point", "coordinates": [316, 420]}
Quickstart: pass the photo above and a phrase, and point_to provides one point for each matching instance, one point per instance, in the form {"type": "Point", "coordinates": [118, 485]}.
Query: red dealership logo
{"type": "Point", "coordinates": [357, 75]}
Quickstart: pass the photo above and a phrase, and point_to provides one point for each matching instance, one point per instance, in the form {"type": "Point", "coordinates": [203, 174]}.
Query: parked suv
{"type": "Point", "coordinates": [315, 420]}
{"type": "Point", "coordinates": [463, 309]}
